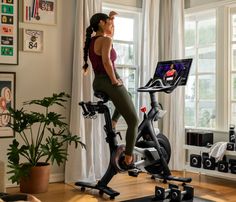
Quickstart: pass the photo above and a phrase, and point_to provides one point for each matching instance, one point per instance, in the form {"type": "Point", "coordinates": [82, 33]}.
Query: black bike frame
{"type": "Point", "coordinates": [147, 126]}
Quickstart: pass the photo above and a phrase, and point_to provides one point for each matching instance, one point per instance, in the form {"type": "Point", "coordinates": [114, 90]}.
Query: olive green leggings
{"type": "Point", "coordinates": [124, 107]}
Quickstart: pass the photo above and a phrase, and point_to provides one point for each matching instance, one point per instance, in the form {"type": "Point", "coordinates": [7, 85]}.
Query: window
{"type": "Point", "coordinates": [126, 43]}
{"type": "Point", "coordinates": [233, 66]}
{"type": "Point", "coordinates": [200, 44]}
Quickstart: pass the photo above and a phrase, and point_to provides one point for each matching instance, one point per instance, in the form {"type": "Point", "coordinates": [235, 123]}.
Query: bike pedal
{"type": "Point", "coordinates": [134, 172]}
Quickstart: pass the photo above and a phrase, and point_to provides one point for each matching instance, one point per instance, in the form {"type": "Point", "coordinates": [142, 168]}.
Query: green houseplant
{"type": "Point", "coordinates": [42, 137]}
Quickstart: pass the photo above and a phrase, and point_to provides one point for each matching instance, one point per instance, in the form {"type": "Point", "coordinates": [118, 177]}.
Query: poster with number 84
{"type": "Point", "coordinates": [33, 40]}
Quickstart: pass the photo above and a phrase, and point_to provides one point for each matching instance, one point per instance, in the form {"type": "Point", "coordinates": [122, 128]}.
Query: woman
{"type": "Point", "coordinates": [103, 56]}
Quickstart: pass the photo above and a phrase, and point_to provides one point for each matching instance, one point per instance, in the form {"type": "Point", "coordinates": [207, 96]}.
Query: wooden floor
{"type": "Point", "coordinates": [215, 189]}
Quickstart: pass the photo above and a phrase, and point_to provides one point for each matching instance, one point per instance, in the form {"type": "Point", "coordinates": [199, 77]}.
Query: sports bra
{"type": "Point", "coordinates": [96, 60]}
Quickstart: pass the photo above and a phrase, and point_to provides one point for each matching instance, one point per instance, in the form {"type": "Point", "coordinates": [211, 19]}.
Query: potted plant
{"type": "Point", "coordinates": [41, 139]}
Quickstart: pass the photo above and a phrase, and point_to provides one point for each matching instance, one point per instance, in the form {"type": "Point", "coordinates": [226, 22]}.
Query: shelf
{"type": "Point", "coordinates": [213, 173]}
{"type": "Point", "coordinates": [206, 149]}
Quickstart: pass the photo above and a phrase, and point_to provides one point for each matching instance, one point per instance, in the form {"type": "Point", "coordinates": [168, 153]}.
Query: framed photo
{"type": "Point", "coordinates": [40, 11]}
{"type": "Point", "coordinates": [7, 98]}
{"type": "Point", "coordinates": [33, 40]}
{"type": "Point", "coordinates": [9, 32]}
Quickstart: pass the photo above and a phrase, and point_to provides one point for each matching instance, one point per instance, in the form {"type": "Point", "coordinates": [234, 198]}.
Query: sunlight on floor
{"type": "Point", "coordinates": [210, 197]}
{"type": "Point", "coordinates": [83, 198]}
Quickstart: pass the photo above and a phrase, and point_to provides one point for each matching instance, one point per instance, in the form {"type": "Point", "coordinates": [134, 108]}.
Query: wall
{"type": "Point", "coordinates": [41, 74]}
{"type": "Point", "coordinates": [134, 3]}
{"type": "Point", "coordinates": [194, 3]}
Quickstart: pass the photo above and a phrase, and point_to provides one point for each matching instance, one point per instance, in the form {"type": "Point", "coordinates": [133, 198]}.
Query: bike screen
{"type": "Point", "coordinates": [170, 71]}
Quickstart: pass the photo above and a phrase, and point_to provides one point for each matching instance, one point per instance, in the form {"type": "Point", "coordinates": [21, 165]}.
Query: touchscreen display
{"type": "Point", "coordinates": [170, 71]}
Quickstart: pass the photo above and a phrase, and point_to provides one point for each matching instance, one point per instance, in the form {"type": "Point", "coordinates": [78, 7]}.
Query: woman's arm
{"type": "Point", "coordinates": [106, 49]}
{"type": "Point", "coordinates": [112, 15]}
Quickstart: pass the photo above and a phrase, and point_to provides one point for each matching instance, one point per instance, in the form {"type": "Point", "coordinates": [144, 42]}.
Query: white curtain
{"type": "Point", "coordinates": [162, 39]}
{"type": "Point", "coordinates": [84, 164]}
{"type": "Point", "coordinates": [172, 47]}
{"type": "Point", "coordinates": [149, 44]}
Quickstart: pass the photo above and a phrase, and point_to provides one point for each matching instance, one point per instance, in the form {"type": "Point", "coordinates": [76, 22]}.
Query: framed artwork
{"type": "Point", "coordinates": [33, 40]}
{"type": "Point", "coordinates": [9, 32]}
{"type": "Point", "coordinates": [7, 98]}
{"type": "Point", "coordinates": [40, 11]}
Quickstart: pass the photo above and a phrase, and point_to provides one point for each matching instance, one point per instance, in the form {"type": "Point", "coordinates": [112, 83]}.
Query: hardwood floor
{"type": "Point", "coordinates": [215, 189]}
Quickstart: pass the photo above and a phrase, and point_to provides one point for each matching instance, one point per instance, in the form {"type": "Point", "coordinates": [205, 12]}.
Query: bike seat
{"type": "Point", "coordinates": [101, 95]}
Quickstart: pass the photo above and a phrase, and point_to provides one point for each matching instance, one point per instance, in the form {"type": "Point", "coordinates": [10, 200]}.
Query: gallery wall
{"type": "Point", "coordinates": [43, 73]}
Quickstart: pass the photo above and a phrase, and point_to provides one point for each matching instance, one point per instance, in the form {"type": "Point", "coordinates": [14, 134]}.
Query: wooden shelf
{"type": "Point", "coordinates": [213, 173]}
{"type": "Point", "coordinates": [206, 149]}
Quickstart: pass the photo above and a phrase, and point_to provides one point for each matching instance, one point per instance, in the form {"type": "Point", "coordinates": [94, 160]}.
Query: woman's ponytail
{"type": "Point", "coordinates": [89, 32]}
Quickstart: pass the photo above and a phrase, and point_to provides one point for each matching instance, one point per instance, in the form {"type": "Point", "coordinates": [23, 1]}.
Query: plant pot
{"type": "Point", "coordinates": [37, 181]}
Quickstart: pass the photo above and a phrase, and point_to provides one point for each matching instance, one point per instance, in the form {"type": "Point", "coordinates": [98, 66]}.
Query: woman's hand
{"type": "Point", "coordinates": [117, 82]}
{"type": "Point", "coordinates": [112, 14]}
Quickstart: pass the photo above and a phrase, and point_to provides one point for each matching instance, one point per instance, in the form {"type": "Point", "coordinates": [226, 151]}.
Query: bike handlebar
{"type": "Point", "coordinates": [158, 86]}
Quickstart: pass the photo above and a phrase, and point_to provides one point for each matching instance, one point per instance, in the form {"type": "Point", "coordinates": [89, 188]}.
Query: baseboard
{"type": "Point", "coordinates": [57, 177]}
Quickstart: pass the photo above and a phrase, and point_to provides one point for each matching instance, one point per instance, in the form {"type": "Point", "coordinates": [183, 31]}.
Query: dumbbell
{"type": "Point", "coordinates": [177, 195]}
{"type": "Point", "coordinates": [195, 160]}
{"type": "Point", "coordinates": [162, 193]}
{"type": "Point", "coordinates": [223, 166]}
{"type": "Point", "coordinates": [230, 146]}
{"type": "Point", "coordinates": [208, 162]}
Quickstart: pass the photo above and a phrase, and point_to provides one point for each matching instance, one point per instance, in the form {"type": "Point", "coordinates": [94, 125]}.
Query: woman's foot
{"type": "Point", "coordinates": [126, 162]}
{"type": "Point", "coordinates": [128, 159]}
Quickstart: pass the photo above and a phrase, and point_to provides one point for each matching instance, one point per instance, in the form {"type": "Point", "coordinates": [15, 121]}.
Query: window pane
{"type": "Point", "coordinates": [124, 29]}
{"type": "Point", "coordinates": [129, 79]}
{"type": "Point", "coordinates": [206, 59]}
{"type": "Point", "coordinates": [125, 53]}
{"type": "Point", "coordinates": [234, 87]}
{"type": "Point", "coordinates": [206, 116]}
{"type": "Point", "coordinates": [190, 53]}
{"type": "Point", "coordinates": [207, 87]}
{"type": "Point", "coordinates": [190, 33]}
{"type": "Point", "coordinates": [233, 113]}
{"type": "Point", "coordinates": [200, 92]}
{"type": "Point", "coordinates": [207, 32]}
{"type": "Point", "coordinates": [190, 113]}
{"type": "Point", "coordinates": [233, 57]}
{"type": "Point", "coordinates": [234, 27]}
{"type": "Point", "coordinates": [190, 89]}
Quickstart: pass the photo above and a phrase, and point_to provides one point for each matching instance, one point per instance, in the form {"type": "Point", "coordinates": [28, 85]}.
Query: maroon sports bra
{"type": "Point", "coordinates": [96, 60]}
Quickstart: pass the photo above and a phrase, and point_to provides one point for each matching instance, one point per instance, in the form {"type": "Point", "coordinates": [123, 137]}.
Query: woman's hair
{"type": "Point", "coordinates": [93, 27]}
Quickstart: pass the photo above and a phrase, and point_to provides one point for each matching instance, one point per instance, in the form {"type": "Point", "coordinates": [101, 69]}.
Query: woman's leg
{"type": "Point", "coordinates": [124, 104]}
{"type": "Point", "coordinates": [116, 115]}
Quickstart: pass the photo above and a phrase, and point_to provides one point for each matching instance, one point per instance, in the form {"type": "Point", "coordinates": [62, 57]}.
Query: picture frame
{"type": "Point", "coordinates": [40, 11]}
{"type": "Point", "coordinates": [9, 26]}
{"type": "Point", "coordinates": [33, 40]}
{"type": "Point", "coordinates": [7, 98]}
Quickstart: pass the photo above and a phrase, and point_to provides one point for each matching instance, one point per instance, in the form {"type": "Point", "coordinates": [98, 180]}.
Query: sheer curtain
{"type": "Point", "coordinates": [162, 39]}
{"type": "Point", "coordinates": [85, 164]}
{"type": "Point", "coordinates": [172, 47]}
{"type": "Point", "coordinates": [149, 44]}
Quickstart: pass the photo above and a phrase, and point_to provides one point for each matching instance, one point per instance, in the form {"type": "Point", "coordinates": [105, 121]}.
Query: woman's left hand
{"type": "Point", "coordinates": [120, 80]}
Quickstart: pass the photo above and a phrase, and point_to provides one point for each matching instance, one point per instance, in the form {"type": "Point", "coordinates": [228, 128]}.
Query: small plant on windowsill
{"type": "Point", "coordinates": [42, 135]}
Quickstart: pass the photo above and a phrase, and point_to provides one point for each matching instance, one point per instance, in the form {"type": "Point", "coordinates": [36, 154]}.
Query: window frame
{"type": "Point", "coordinates": [223, 80]}
{"type": "Point", "coordinates": [197, 17]}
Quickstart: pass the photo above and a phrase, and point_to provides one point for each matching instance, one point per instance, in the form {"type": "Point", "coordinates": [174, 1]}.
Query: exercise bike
{"type": "Point", "coordinates": [153, 150]}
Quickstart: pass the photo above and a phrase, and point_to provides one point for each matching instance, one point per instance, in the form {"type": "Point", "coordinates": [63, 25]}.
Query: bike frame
{"type": "Point", "coordinates": [147, 126]}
